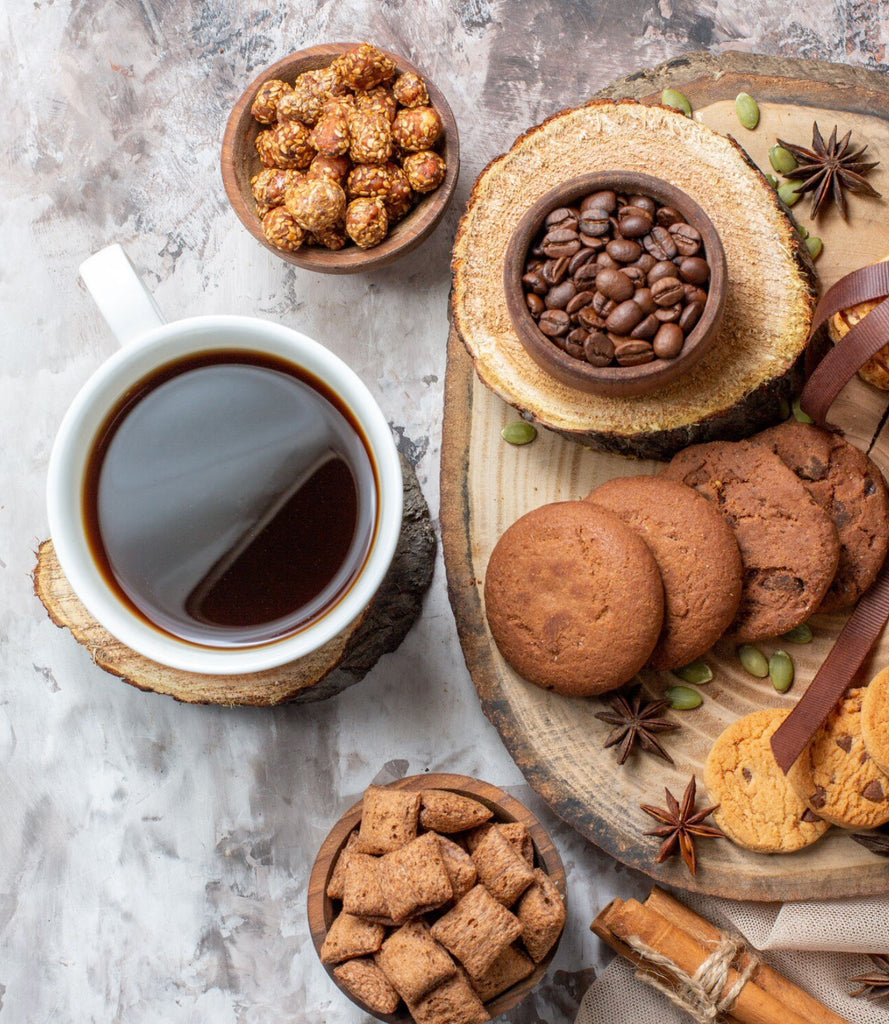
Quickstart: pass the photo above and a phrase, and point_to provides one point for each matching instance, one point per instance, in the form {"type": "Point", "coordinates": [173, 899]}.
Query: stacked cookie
{"type": "Point", "coordinates": [745, 539]}
{"type": "Point", "coordinates": [841, 779]}
{"type": "Point", "coordinates": [440, 907]}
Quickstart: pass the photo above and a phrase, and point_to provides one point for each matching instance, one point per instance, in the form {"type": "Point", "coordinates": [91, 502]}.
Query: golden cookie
{"type": "Point", "coordinates": [836, 775]}
{"type": "Point", "coordinates": [758, 807]}
{"type": "Point", "coordinates": [875, 720]}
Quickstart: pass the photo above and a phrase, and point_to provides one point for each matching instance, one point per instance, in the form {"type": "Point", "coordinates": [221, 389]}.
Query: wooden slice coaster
{"type": "Point", "coordinates": [340, 663]}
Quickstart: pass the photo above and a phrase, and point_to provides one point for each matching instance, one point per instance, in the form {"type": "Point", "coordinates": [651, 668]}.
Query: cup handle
{"type": "Point", "coordinates": [123, 300]}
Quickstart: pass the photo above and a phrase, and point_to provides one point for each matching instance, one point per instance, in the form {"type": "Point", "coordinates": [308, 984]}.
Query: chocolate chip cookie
{"type": "Point", "coordinates": [851, 490]}
{"type": "Point", "coordinates": [758, 807]}
{"type": "Point", "coordinates": [837, 777]}
{"type": "Point", "coordinates": [696, 553]}
{"type": "Point", "coordinates": [875, 720]}
{"type": "Point", "coordinates": [574, 599]}
{"type": "Point", "coordinates": [789, 545]}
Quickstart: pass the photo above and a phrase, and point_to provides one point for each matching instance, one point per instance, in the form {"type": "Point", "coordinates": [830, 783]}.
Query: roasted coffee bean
{"type": "Point", "coordinates": [659, 242]}
{"type": "Point", "coordinates": [535, 304]}
{"type": "Point", "coordinates": [589, 318]}
{"type": "Point", "coordinates": [578, 301]}
{"type": "Point", "coordinates": [577, 337]}
{"type": "Point", "coordinates": [536, 282]}
{"type": "Point", "coordinates": [633, 353]}
{"type": "Point", "coordinates": [690, 316]}
{"type": "Point", "coordinates": [586, 275]}
{"type": "Point", "coordinates": [634, 222]}
{"type": "Point", "coordinates": [646, 328]}
{"type": "Point", "coordinates": [604, 260]}
{"type": "Point", "coordinates": [553, 271]}
{"type": "Point", "coordinates": [575, 351]}
{"type": "Point", "coordinates": [560, 296]}
{"type": "Point", "coordinates": [594, 222]}
{"type": "Point", "coordinates": [666, 291]}
{"type": "Point", "coordinates": [560, 234]}
{"type": "Point", "coordinates": [624, 250]}
{"type": "Point", "coordinates": [663, 268]}
{"type": "Point", "coordinates": [615, 284]}
{"type": "Point", "coordinates": [668, 341]}
{"type": "Point", "coordinates": [634, 274]}
{"type": "Point", "coordinates": [598, 349]}
{"type": "Point", "coordinates": [645, 262]}
{"type": "Point", "coordinates": [642, 203]}
{"type": "Point", "coordinates": [669, 314]}
{"type": "Point", "coordinates": [687, 238]}
{"type": "Point", "coordinates": [533, 265]}
{"type": "Point", "coordinates": [624, 317]}
{"type": "Point", "coordinates": [667, 216]}
{"type": "Point", "coordinates": [593, 244]}
{"type": "Point", "coordinates": [694, 270]}
{"type": "Point", "coordinates": [556, 248]}
{"type": "Point", "coordinates": [562, 216]}
{"type": "Point", "coordinates": [554, 322]}
{"type": "Point", "coordinates": [644, 300]}
{"type": "Point", "coordinates": [602, 304]}
{"type": "Point", "coordinates": [605, 200]}
{"type": "Point", "coordinates": [578, 260]}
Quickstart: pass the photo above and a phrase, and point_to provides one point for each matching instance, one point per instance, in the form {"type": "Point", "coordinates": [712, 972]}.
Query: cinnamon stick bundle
{"type": "Point", "coordinates": [669, 942]}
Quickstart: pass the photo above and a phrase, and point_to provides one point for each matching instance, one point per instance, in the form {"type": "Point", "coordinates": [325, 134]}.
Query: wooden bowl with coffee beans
{"type": "Point", "coordinates": [341, 158]}
{"type": "Point", "coordinates": [616, 283]}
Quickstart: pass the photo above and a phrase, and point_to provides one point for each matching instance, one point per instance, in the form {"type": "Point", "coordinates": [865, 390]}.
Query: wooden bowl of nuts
{"type": "Point", "coordinates": [439, 897]}
{"type": "Point", "coordinates": [616, 283]}
{"type": "Point", "coordinates": [341, 158]}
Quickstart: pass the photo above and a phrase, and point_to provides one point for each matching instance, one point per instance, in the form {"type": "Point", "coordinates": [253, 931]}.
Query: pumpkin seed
{"type": "Point", "coordinates": [782, 159]}
{"type": "Point", "coordinates": [814, 245]}
{"type": "Point", "coordinates": [677, 100]}
{"type": "Point", "coordinates": [747, 110]}
{"type": "Point", "coordinates": [803, 230]}
{"type": "Point", "coordinates": [781, 671]}
{"type": "Point", "coordinates": [518, 432]}
{"type": "Point", "coordinates": [683, 698]}
{"type": "Point", "coordinates": [753, 660]}
{"type": "Point", "coordinates": [772, 180]}
{"type": "Point", "coordinates": [802, 417]}
{"type": "Point", "coordinates": [788, 192]}
{"type": "Point", "coordinates": [697, 672]}
{"type": "Point", "coordinates": [801, 634]}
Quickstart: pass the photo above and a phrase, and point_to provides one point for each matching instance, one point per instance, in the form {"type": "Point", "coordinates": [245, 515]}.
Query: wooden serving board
{"type": "Point", "coordinates": [487, 484]}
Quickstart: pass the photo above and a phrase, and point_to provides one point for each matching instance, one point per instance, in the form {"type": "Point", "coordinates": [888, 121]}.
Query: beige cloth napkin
{"type": "Point", "coordinates": [818, 945]}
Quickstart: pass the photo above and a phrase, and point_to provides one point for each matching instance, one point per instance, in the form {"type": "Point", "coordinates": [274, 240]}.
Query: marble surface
{"type": "Point", "coordinates": [154, 857]}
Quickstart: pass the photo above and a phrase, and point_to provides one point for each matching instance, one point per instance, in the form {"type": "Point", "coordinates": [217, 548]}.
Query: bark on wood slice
{"type": "Point", "coordinates": [756, 361]}
{"type": "Point", "coordinates": [487, 484]}
{"type": "Point", "coordinates": [340, 663]}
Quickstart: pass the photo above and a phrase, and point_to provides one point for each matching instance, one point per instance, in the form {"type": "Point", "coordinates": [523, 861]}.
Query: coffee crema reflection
{"type": "Point", "coordinates": [230, 498]}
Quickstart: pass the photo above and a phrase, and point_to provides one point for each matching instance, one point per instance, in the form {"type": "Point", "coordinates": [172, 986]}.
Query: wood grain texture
{"type": "Point", "coordinates": [321, 909]}
{"type": "Point", "coordinates": [338, 664]}
{"type": "Point", "coordinates": [240, 162]}
{"type": "Point", "coordinates": [611, 380]}
{"type": "Point", "coordinates": [487, 484]}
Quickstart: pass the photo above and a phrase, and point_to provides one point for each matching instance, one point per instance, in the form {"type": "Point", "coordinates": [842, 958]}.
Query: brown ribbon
{"type": "Point", "coordinates": [866, 623]}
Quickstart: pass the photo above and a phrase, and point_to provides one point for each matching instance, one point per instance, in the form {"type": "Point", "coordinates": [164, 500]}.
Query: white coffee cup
{"type": "Point", "coordinates": [148, 343]}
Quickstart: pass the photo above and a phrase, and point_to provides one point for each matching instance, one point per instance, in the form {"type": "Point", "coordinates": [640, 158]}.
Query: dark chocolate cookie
{"type": "Point", "coordinates": [789, 545]}
{"type": "Point", "coordinates": [850, 489]}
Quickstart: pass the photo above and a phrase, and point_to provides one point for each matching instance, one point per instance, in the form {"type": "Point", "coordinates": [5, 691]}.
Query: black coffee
{"type": "Point", "coordinates": [230, 498]}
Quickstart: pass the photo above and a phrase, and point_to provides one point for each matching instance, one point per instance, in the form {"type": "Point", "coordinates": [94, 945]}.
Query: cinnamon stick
{"type": "Point", "coordinates": [634, 922]}
{"type": "Point", "coordinates": [767, 978]}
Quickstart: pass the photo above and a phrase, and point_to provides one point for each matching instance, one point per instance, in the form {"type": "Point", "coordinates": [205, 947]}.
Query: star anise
{"type": "Point", "coordinates": [636, 722]}
{"type": "Point", "coordinates": [826, 170]}
{"type": "Point", "coordinates": [874, 985]}
{"type": "Point", "coordinates": [682, 825]}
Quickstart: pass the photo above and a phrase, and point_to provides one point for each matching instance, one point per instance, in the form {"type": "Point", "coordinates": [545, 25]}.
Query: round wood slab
{"type": "Point", "coordinates": [340, 663]}
{"type": "Point", "coordinates": [487, 484]}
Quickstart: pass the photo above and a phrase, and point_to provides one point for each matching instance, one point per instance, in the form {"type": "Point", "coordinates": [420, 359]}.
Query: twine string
{"type": "Point", "coordinates": [699, 993]}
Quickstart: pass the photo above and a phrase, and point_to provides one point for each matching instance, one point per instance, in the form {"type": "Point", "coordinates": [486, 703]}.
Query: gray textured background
{"type": "Point", "coordinates": [154, 857]}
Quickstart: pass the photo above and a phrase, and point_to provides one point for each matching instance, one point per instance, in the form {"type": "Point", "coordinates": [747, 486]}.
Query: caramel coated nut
{"type": "Point", "coordinates": [316, 203]}
{"type": "Point", "coordinates": [334, 168]}
{"type": "Point", "coordinates": [270, 185]}
{"type": "Point", "coordinates": [369, 180]}
{"type": "Point", "coordinates": [379, 101]}
{"type": "Point", "coordinates": [371, 137]}
{"type": "Point", "coordinates": [282, 231]}
{"type": "Point", "coordinates": [417, 128]}
{"type": "Point", "coordinates": [265, 106]}
{"type": "Point", "coordinates": [311, 90]}
{"type": "Point", "coordinates": [367, 221]}
{"type": "Point", "coordinates": [410, 90]}
{"type": "Point", "coordinates": [399, 199]}
{"type": "Point", "coordinates": [291, 144]}
{"type": "Point", "coordinates": [363, 67]}
{"type": "Point", "coordinates": [266, 148]}
{"type": "Point", "coordinates": [330, 136]}
{"type": "Point", "coordinates": [333, 238]}
{"type": "Point", "coordinates": [425, 170]}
